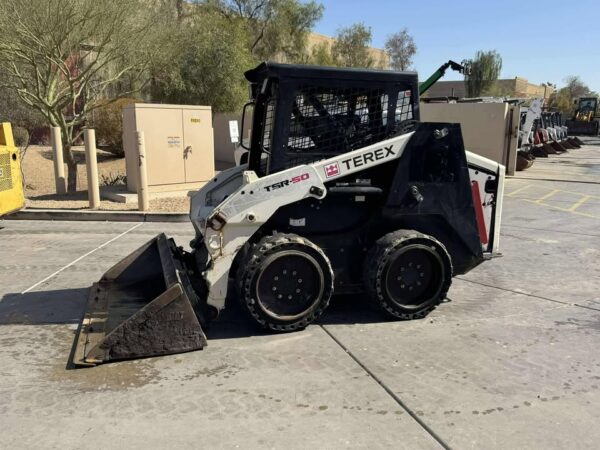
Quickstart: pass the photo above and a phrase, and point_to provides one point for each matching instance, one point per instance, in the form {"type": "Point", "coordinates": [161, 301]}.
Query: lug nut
{"type": "Point", "coordinates": [418, 266]}
{"type": "Point", "coordinates": [410, 288]}
{"type": "Point", "coordinates": [274, 288]}
{"type": "Point", "coordinates": [297, 291]}
{"type": "Point", "coordinates": [289, 297]}
{"type": "Point", "coordinates": [422, 274]}
{"type": "Point", "coordinates": [284, 272]}
{"type": "Point", "coordinates": [418, 283]}
{"type": "Point", "coordinates": [276, 278]}
{"type": "Point", "coordinates": [279, 296]}
{"type": "Point", "coordinates": [299, 280]}
{"type": "Point", "coordinates": [402, 286]}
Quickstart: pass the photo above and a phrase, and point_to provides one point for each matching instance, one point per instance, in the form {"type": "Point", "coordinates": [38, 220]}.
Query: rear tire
{"type": "Point", "coordinates": [407, 274]}
{"type": "Point", "coordinates": [285, 282]}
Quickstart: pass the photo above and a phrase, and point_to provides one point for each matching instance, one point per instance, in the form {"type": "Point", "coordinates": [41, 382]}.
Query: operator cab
{"type": "Point", "coordinates": [304, 114]}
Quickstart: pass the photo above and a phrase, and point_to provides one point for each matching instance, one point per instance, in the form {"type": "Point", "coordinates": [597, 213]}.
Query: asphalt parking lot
{"type": "Point", "coordinates": [511, 360]}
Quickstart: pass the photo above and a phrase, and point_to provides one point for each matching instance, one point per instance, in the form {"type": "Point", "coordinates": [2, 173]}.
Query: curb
{"type": "Point", "coordinates": [555, 180]}
{"type": "Point", "coordinates": [101, 216]}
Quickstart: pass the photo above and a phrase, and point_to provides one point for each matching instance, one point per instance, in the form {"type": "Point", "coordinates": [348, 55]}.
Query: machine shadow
{"type": "Point", "coordinates": [61, 306]}
{"type": "Point", "coordinates": [342, 310]}
{"type": "Point", "coordinates": [67, 306]}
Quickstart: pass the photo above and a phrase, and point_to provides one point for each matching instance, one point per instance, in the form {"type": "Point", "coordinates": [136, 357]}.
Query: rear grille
{"type": "Point", "coordinates": [6, 182]}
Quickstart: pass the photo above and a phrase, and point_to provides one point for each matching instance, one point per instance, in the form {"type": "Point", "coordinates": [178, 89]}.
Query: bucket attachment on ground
{"type": "Point", "coordinates": [143, 306]}
{"type": "Point", "coordinates": [549, 149]}
{"type": "Point", "coordinates": [558, 147]}
{"type": "Point", "coordinates": [567, 145]}
{"type": "Point", "coordinates": [585, 128]}
{"type": "Point", "coordinates": [524, 160]}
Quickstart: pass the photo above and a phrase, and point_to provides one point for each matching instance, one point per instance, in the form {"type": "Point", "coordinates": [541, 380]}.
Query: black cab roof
{"type": "Point", "coordinates": [289, 71]}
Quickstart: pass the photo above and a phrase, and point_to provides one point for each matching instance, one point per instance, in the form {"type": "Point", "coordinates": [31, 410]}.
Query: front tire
{"type": "Point", "coordinates": [285, 282]}
{"type": "Point", "coordinates": [407, 274]}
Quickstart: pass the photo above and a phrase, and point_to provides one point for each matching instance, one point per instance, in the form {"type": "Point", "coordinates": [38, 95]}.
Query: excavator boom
{"type": "Point", "coordinates": [460, 68]}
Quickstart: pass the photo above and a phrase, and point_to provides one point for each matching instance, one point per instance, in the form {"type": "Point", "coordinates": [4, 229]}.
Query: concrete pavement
{"type": "Point", "coordinates": [509, 361]}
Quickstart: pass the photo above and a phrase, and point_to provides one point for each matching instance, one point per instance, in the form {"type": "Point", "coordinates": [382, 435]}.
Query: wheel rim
{"type": "Point", "coordinates": [290, 284]}
{"type": "Point", "coordinates": [414, 276]}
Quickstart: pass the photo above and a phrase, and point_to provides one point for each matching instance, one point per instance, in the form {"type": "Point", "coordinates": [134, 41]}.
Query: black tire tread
{"type": "Point", "coordinates": [375, 263]}
{"type": "Point", "coordinates": [252, 263]}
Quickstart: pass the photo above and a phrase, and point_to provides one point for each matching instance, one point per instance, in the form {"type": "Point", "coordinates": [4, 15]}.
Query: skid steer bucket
{"type": "Point", "coordinates": [558, 146]}
{"type": "Point", "coordinates": [549, 149]}
{"type": "Point", "coordinates": [143, 306]}
{"type": "Point", "coordinates": [583, 128]}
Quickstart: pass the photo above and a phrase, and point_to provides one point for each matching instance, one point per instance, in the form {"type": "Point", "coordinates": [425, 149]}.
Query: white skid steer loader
{"type": "Point", "coordinates": [344, 191]}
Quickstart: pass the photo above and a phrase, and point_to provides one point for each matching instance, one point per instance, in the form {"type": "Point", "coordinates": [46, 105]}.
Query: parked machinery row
{"type": "Point", "coordinates": [542, 133]}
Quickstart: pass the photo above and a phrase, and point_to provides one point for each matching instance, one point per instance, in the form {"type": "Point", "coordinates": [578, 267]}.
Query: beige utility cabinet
{"type": "Point", "coordinates": [179, 145]}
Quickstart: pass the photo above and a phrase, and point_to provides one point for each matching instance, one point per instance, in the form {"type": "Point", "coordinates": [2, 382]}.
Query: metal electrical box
{"type": "Point", "coordinates": [179, 145]}
{"type": "Point", "coordinates": [11, 185]}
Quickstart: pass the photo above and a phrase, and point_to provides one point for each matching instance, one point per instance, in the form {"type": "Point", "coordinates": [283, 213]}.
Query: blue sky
{"type": "Point", "coordinates": [539, 40]}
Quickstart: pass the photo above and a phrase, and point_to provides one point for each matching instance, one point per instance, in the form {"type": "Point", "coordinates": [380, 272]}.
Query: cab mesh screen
{"type": "Point", "coordinates": [326, 122]}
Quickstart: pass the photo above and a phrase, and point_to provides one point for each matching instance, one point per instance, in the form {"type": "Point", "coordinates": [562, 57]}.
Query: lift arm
{"type": "Point", "coordinates": [460, 68]}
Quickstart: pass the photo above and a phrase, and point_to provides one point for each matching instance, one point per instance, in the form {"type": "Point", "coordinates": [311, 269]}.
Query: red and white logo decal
{"type": "Point", "coordinates": [332, 170]}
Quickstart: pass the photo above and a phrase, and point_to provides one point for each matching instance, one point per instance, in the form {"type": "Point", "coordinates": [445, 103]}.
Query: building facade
{"type": "Point", "coordinates": [512, 87]}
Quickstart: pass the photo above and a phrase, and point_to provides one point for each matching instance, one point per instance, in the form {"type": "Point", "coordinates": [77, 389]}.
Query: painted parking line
{"type": "Point", "coordinates": [518, 190]}
{"type": "Point", "coordinates": [572, 207]}
{"type": "Point", "coordinates": [80, 258]}
{"type": "Point", "coordinates": [579, 193]}
{"type": "Point", "coordinates": [547, 196]}
{"type": "Point", "coordinates": [536, 202]}
{"type": "Point", "coordinates": [580, 202]}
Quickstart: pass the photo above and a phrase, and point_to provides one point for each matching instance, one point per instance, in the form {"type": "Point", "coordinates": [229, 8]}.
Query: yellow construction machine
{"type": "Point", "coordinates": [11, 185]}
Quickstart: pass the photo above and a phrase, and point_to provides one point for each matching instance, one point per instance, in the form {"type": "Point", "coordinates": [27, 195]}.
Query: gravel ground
{"type": "Point", "coordinates": [40, 189]}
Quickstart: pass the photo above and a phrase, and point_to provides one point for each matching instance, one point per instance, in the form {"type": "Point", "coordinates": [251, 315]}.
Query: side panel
{"type": "Point", "coordinates": [432, 192]}
{"type": "Point", "coordinates": [487, 182]}
{"type": "Point", "coordinates": [198, 145]}
{"type": "Point", "coordinates": [163, 133]}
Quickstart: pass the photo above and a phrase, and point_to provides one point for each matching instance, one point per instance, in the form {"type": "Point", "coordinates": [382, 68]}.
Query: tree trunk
{"type": "Point", "coordinates": [71, 169]}
{"type": "Point", "coordinates": [179, 7]}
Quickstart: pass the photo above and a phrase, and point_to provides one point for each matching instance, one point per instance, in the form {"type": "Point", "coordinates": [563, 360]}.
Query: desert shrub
{"type": "Point", "coordinates": [112, 180]}
{"type": "Point", "coordinates": [21, 136]}
{"type": "Point", "coordinates": [108, 123]}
